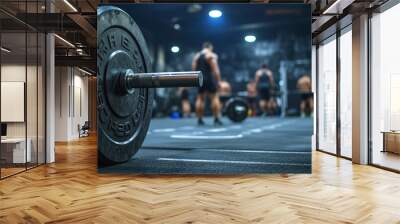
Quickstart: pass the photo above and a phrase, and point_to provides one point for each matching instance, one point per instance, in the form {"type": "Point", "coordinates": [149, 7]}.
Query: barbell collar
{"type": "Point", "coordinates": [161, 79]}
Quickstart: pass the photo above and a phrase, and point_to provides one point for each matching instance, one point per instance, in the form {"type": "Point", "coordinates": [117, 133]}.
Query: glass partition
{"type": "Point", "coordinates": [327, 95]}
{"type": "Point", "coordinates": [346, 93]}
{"type": "Point", "coordinates": [31, 97]}
{"type": "Point", "coordinates": [13, 95]}
{"type": "Point", "coordinates": [22, 77]}
{"type": "Point", "coordinates": [385, 89]}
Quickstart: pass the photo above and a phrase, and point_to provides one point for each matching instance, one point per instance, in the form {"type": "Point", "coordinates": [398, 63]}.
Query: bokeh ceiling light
{"type": "Point", "coordinates": [177, 26]}
{"type": "Point", "coordinates": [194, 8]}
{"type": "Point", "coordinates": [175, 49]}
{"type": "Point", "coordinates": [215, 13]}
{"type": "Point", "coordinates": [250, 38]}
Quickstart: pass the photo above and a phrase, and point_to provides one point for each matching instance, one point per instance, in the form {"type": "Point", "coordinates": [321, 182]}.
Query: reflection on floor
{"type": "Point", "coordinates": [257, 145]}
{"type": "Point", "coordinates": [386, 159]}
{"type": "Point", "coordinates": [10, 171]}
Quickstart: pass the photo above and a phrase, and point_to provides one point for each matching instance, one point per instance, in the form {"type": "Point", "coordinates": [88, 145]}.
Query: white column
{"type": "Point", "coordinates": [360, 90]}
{"type": "Point", "coordinates": [314, 90]}
{"type": "Point", "coordinates": [50, 92]}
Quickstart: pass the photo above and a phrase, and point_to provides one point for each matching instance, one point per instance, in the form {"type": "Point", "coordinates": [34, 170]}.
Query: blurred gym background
{"type": "Point", "coordinates": [244, 37]}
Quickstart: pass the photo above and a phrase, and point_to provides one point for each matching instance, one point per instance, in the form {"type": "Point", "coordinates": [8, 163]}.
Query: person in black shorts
{"type": "Point", "coordinates": [206, 61]}
{"type": "Point", "coordinates": [265, 84]}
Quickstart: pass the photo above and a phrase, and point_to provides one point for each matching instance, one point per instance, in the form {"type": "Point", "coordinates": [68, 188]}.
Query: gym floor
{"type": "Point", "coordinates": [257, 145]}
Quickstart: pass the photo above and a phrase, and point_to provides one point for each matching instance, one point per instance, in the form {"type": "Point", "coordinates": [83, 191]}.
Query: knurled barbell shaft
{"type": "Point", "coordinates": [163, 79]}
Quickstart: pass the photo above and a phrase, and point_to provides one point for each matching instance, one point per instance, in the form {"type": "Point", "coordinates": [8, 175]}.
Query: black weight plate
{"type": "Point", "coordinates": [236, 109]}
{"type": "Point", "coordinates": [122, 118]}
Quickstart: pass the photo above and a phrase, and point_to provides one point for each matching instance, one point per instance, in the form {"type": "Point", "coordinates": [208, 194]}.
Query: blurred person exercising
{"type": "Point", "coordinates": [307, 101]}
{"type": "Point", "coordinates": [206, 61]}
{"type": "Point", "coordinates": [252, 96]}
{"type": "Point", "coordinates": [224, 92]}
{"type": "Point", "coordinates": [225, 88]}
{"type": "Point", "coordinates": [265, 84]}
{"type": "Point", "coordinates": [186, 108]}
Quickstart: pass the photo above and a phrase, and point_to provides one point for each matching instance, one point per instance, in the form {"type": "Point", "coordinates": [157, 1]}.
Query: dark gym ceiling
{"type": "Point", "coordinates": [190, 24]}
{"type": "Point", "coordinates": [75, 21]}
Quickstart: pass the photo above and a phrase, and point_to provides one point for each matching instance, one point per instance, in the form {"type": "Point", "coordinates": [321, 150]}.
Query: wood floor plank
{"type": "Point", "coordinates": [71, 191]}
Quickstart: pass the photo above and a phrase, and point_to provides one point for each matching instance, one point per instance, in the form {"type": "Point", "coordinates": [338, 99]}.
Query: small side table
{"type": "Point", "coordinates": [391, 141]}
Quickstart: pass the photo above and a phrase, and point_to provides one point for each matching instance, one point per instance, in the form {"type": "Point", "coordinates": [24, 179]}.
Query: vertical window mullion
{"type": "Point", "coordinates": [37, 89]}
{"type": "Point", "coordinates": [338, 80]}
{"type": "Point", "coordinates": [26, 85]}
{"type": "Point", "coordinates": [317, 96]}
{"type": "Point", "coordinates": [0, 91]}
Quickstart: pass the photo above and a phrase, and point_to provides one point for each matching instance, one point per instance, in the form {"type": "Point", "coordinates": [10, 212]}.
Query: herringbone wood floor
{"type": "Point", "coordinates": [71, 191]}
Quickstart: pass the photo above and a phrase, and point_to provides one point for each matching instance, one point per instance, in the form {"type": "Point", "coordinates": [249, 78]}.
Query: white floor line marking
{"type": "Point", "coordinates": [254, 151]}
{"type": "Point", "coordinates": [198, 135]}
{"type": "Point", "coordinates": [235, 127]}
{"type": "Point", "coordinates": [164, 130]}
{"type": "Point", "coordinates": [233, 162]}
{"type": "Point", "coordinates": [276, 125]}
{"type": "Point", "coordinates": [266, 127]}
{"type": "Point", "coordinates": [216, 130]}
{"type": "Point", "coordinates": [187, 128]}
{"type": "Point", "coordinates": [197, 132]}
{"type": "Point", "coordinates": [207, 136]}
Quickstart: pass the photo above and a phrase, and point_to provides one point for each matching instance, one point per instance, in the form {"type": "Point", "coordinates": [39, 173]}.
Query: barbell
{"type": "Point", "coordinates": [236, 109]}
{"type": "Point", "coordinates": [125, 85]}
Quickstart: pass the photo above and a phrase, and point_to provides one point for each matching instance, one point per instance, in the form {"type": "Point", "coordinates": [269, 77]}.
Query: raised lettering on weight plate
{"type": "Point", "coordinates": [125, 42]}
{"type": "Point", "coordinates": [102, 51]}
{"type": "Point", "coordinates": [112, 40]}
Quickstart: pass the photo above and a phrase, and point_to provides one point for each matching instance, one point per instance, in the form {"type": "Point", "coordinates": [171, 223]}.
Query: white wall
{"type": "Point", "coordinates": [12, 73]}
{"type": "Point", "coordinates": [33, 126]}
{"type": "Point", "coordinates": [61, 103]}
{"type": "Point", "coordinates": [13, 101]}
{"type": "Point", "coordinates": [16, 73]}
{"type": "Point", "coordinates": [71, 93]}
{"type": "Point", "coordinates": [80, 100]}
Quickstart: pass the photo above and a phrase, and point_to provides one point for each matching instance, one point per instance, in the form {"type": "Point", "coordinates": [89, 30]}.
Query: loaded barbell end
{"type": "Point", "coordinates": [130, 80]}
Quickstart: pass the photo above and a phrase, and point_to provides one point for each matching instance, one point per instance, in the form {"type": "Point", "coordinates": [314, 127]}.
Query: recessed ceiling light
{"type": "Point", "coordinates": [5, 50]}
{"type": "Point", "coordinates": [333, 8]}
{"type": "Point", "coordinates": [84, 71]}
{"type": "Point", "coordinates": [70, 5]}
{"type": "Point", "coordinates": [65, 41]}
